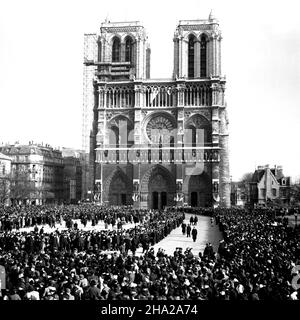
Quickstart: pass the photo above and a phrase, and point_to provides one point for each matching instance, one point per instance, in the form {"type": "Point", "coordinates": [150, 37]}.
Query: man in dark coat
{"type": "Point", "coordinates": [194, 234]}
{"type": "Point", "coordinates": [195, 220]}
{"type": "Point", "coordinates": [206, 250]}
{"type": "Point", "coordinates": [191, 220]}
{"type": "Point", "coordinates": [188, 230]}
{"type": "Point", "coordinates": [221, 249]}
{"type": "Point", "coordinates": [183, 227]}
{"type": "Point", "coordinates": [133, 246]}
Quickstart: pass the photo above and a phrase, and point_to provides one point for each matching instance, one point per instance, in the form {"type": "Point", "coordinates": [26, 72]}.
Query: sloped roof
{"type": "Point", "coordinates": [257, 175]}
{"type": "Point", "coordinates": [70, 153]}
{"type": "Point", "coordinates": [31, 149]}
{"type": "Point", "coordinates": [287, 180]}
{"type": "Point", "coordinates": [277, 173]}
{"type": "Point", "coordinates": [23, 149]}
{"type": "Point", "coordinates": [5, 157]}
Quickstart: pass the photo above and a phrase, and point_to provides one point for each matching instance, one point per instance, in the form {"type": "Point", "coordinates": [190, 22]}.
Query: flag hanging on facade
{"type": "Point", "coordinates": [135, 197]}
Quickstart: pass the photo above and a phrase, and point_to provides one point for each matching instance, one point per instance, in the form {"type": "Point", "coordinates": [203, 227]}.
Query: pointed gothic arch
{"type": "Point", "coordinates": [118, 188]}
{"type": "Point", "coordinates": [119, 129]}
{"type": "Point", "coordinates": [158, 187]}
{"type": "Point", "coordinates": [99, 50]}
{"type": "Point", "coordinates": [203, 55]}
{"type": "Point", "coordinates": [198, 121]}
{"type": "Point", "coordinates": [198, 189]}
{"type": "Point", "coordinates": [128, 49]}
{"type": "Point", "coordinates": [116, 49]}
{"type": "Point", "coordinates": [191, 55]}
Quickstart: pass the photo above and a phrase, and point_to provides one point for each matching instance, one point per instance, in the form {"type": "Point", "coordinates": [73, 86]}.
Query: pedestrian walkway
{"type": "Point", "coordinates": [207, 232]}
{"type": "Point", "coordinates": [62, 226]}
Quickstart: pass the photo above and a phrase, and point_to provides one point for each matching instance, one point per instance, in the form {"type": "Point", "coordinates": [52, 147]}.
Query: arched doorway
{"type": "Point", "coordinates": [198, 189]}
{"type": "Point", "coordinates": [118, 192]}
{"type": "Point", "coordinates": [118, 189]}
{"type": "Point", "coordinates": [159, 187]}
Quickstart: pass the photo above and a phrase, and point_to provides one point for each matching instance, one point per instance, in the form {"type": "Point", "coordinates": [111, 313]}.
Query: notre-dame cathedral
{"type": "Point", "coordinates": [155, 143]}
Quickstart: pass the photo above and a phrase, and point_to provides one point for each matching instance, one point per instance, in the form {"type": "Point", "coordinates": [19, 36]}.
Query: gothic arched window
{"type": "Point", "coordinates": [128, 49]}
{"type": "Point", "coordinates": [200, 131]}
{"type": "Point", "coordinates": [194, 137]}
{"type": "Point", "coordinates": [191, 57]}
{"type": "Point", "coordinates": [203, 56]}
{"type": "Point", "coordinates": [115, 142]}
{"type": "Point", "coordinates": [99, 51]}
{"type": "Point", "coordinates": [116, 48]}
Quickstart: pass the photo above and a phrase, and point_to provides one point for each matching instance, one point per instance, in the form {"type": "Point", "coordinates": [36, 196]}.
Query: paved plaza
{"type": "Point", "coordinates": [62, 226]}
{"type": "Point", "coordinates": [207, 232]}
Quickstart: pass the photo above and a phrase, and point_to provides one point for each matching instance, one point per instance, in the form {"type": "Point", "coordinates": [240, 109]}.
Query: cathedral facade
{"type": "Point", "coordinates": [155, 143]}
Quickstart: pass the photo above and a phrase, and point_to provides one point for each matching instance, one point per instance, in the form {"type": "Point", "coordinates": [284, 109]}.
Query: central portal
{"type": "Point", "coordinates": [198, 188]}
{"type": "Point", "coordinates": [159, 200]}
{"type": "Point", "coordinates": [194, 199]}
{"type": "Point", "coordinates": [158, 188]}
{"type": "Point", "coordinates": [117, 189]}
{"type": "Point", "coordinates": [155, 200]}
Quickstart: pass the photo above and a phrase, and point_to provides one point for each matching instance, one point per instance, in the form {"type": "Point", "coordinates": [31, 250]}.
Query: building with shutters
{"type": "Point", "coordinates": [36, 173]}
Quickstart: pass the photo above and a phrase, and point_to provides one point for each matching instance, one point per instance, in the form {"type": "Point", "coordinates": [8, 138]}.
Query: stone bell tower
{"type": "Point", "coordinates": [123, 51]}
{"type": "Point", "coordinates": [119, 52]}
{"type": "Point", "coordinates": [197, 49]}
{"type": "Point", "coordinates": [197, 69]}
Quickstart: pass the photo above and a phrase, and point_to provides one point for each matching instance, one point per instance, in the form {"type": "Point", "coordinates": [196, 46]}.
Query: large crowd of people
{"type": "Point", "coordinates": [256, 259]}
{"type": "Point", "coordinates": [27, 216]}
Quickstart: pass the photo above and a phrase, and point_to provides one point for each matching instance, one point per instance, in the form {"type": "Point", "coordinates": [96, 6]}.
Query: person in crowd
{"type": "Point", "coordinates": [194, 234]}
{"type": "Point", "coordinates": [14, 295]}
{"type": "Point", "coordinates": [183, 227]}
{"type": "Point", "coordinates": [195, 220]}
{"type": "Point", "coordinates": [188, 230]}
{"type": "Point", "coordinates": [191, 220]}
{"type": "Point", "coordinates": [254, 261]}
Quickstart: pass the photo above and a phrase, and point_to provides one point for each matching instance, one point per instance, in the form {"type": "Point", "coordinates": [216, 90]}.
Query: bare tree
{"type": "Point", "coordinates": [246, 178]}
{"type": "Point", "coordinates": [244, 186]}
{"type": "Point", "coordinates": [21, 186]}
{"type": "Point", "coordinates": [295, 193]}
{"type": "Point", "coordinates": [4, 189]}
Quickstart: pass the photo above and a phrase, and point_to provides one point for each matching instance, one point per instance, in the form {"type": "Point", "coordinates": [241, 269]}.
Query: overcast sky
{"type": "Point", "coordinates": [41, 68]}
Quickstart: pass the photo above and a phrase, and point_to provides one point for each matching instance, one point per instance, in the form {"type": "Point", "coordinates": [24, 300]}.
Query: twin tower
{"type": "Point", "coordinates": [155, 143]}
